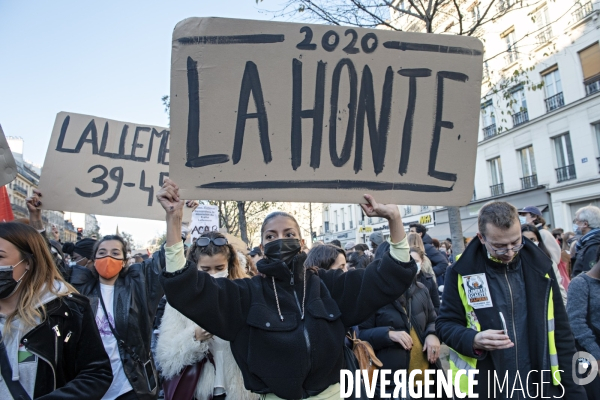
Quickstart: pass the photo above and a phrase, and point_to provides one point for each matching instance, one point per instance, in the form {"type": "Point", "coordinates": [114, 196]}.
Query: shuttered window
{"type": "Point", "coordinates": [590, 62]}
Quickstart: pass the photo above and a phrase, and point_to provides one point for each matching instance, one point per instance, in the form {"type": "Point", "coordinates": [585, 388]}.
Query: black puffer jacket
{"type": "Point", "coordinates": [137, 294]}
{"type": "Point", "coordinates": [292, 357]}
{"type": "Point", "coordinates": [73, 365]}
{"type": "Point", "coordinates": [393, 317]}
{"type": "Point", "coordinates": [429, 282]}
{"type": "Point", "coordinates": [585, 258]}
{"type": "Point", "coordinates": [439, 262]}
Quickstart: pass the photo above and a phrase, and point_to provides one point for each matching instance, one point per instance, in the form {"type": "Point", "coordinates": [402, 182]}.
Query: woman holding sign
{"type": "Point", "coordinates": [286, 326]}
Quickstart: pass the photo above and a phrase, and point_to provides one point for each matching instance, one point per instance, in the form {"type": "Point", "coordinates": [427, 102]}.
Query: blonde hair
{"type": "Point", "coordinates": [416, 243]}
{"type": "Point", "coordinates": [40, 278]}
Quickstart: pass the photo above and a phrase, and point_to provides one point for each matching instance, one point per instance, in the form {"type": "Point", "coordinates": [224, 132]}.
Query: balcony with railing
{"type": "Point", "coordinates": [497, 190]}
{"type": "Point", "coordinates": [343, 226]}
{"type": "Point", "coordinates": [592, 85]}
{"type": "Point", "coordinates": [565, 173]}
{"type": "Point", "coordinates": [20, 209]}
{"type": "Point", "coordinates": [582, 12]}
{"type": "Point", "coordinates": [528, 182]}
{"type": "Point", "coordinates": [511, 56]}
{"type": "Point", "coordinates": [554, 102]}
{"type": "Point", "coordinates": [520, 118]}
{"type": "Point", "coordinates": [21, 190]}
{"type": "Point", "coordinates": [489, 131]}
{"type": "Point", "coordinates": [544, 36]}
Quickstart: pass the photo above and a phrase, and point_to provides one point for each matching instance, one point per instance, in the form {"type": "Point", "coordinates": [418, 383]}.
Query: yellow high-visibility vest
{"type": "Point", "coordinates": [459, 361]}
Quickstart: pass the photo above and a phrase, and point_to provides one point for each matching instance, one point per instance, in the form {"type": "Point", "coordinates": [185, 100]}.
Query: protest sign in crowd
{"type": "Point", "coordinates": [518, 311]}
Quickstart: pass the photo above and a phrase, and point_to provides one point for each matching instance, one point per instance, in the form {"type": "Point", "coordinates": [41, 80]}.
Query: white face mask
{"type": "Point", "coordinates": [522, 219]}
{"type": "Point", "coordinates": [418, 267]}
{"type": "Point", "coordinates": [536, 243]}
{"type": "Point", "coordinates": [221, 274]}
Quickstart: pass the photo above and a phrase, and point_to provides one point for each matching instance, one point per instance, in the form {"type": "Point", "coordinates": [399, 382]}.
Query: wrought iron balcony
{"type": "Point", "coordinates": [520, 118]}
{"type": "Point", "coordinates": [544, 36]}
{"type": "Point", "coordinates": [21, 190]}
{"type": "Point", "coordinates": [566, 173]}
{"type": "Point", "coordinates": [582, 12]}
{"type": "Point", "coordinates": [489, 131]}
{"type": "Point", "coordinates": [497, 190]}
{"type": "Point", "coordinates": [528, 182]}
{"type": "Point", "coordinates": [592, 85]}
{"type": "Point", "coordinates": [554, 102]}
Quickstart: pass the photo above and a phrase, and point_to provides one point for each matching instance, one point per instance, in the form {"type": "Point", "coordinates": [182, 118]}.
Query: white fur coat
{"type": "Point", "coordinates": [176, 348]}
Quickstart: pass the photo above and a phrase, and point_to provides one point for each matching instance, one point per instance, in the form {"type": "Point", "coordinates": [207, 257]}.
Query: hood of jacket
{"type": "Point", "coordinates": [427, 239]}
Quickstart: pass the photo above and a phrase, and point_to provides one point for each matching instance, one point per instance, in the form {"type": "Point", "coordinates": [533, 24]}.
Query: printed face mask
{"type": "Point", "coordinates": [577, 229]}
{"type": "Point", "coordinates": [108, 267]}
{"type": "Point", "coordinates": [221, 274]}
{"type": "Point", "coordinates": [522, 219]}
{"type": "Point", "coordinates": [8, 285]}
{"type": "Point", "coordinates": [282, 249]}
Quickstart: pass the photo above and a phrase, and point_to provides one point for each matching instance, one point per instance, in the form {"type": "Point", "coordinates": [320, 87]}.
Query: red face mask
{"type": "Point", "coordinates": [108, 267]}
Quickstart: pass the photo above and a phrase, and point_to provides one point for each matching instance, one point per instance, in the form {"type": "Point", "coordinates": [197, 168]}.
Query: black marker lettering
{"type": "Point", "coordinates": [439, 124]}
{"type": "Point", "coordinates": [251, 85]}
{"type": "Point", "coordinates": [434, 48]}
{"type": "Point", "coordinates": [163, 149]}
{"type": "Point", "coordinates": [413, 74]}
{"type": "Point", "coordinates": [335, 92]}
{"type": "Point", "coordinates": [122, 155]}
{"type": "Point", "coordinates": [103, 144]}
{"type": "Point", "coordinates": [149, 189]}
{"type": "Point", "coordinates": [90, 129]}
{"type": "Point", "coordinates": [61, 137]}
{"type": "Point", "coordinates": [137, 145]}
{"type": "Point", "coordinates": [193, 132]}
{"type": "Point", "coordinates": [335, 184]}
{"type": "Point", "coordinates": [377, 133]}
{"type": "Point", "coordinates": [316, 114]}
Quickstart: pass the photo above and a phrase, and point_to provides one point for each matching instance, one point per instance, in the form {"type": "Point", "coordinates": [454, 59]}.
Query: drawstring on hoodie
{"type": "Point", "coordinates": [291, 282]}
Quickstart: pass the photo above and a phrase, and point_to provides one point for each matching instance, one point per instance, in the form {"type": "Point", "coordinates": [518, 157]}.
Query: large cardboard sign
{"type": "Point", "coordinates": [100, 166]}
{"type": "Point", "coordinates": [297, 112]}
{"type": "Point", "coordinates": [8, 167]}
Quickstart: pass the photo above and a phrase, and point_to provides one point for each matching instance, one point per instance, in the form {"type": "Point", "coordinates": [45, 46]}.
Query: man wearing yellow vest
{"type": "Point", "coordinates": [502, 314]}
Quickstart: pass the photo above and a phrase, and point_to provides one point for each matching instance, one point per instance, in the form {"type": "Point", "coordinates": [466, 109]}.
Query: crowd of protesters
{"type": "Point", "coordinates": [211, 321]}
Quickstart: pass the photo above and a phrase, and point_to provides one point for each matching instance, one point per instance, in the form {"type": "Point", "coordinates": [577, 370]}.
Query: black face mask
{"type": "Point", "coordinates": [8, 285]}
{"type": "Point", "coordinates": [282, 249]}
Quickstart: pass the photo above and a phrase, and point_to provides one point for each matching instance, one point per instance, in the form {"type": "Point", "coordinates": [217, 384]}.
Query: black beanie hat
{"type": "Point", "coordinates": [85, 247]}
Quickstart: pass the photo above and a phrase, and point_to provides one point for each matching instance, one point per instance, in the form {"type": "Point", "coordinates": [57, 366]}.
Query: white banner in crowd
{"type": "Point", "coordinates": [100, 166]}
{"type": "Point", "coordinates": [297, 112]}
{"type": "Point", "coordinates": [205, 218]}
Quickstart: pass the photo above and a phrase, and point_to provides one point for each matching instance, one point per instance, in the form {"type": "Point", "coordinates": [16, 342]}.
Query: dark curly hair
{"type": "Point", "coordinates": [195, 252]}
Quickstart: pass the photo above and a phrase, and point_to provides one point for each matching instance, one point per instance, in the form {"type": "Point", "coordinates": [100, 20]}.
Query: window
{"type": "Point", "coordinates": [553, 89]}
{"type": "Point", "coordinates": [351, 221]}
{"type": "Point", "coordinates": [529, 175]}
{"type": "Point", "coordinates": [564, 158]}
{"type": "Point", "coordinates": [335, 216]}
{"type": "Point", "coordinates": [495, 170]}
{"type": "Point", "coordinates": [542, 22]}
{"type": "Point", "coordinates": [512, 54]}
{"type": "Point", "coordinates": [407, 210]}
{"type": "Point", "coordinates": [474, 14]}
{"type": "Point", "coordinates": [519, 106]}
{"type": "Point", "coordinates": [488, 119]}
{"type": "Point", "coordinates": [596, 127]}
{"type": "Point", "coordinates": [590, 64]}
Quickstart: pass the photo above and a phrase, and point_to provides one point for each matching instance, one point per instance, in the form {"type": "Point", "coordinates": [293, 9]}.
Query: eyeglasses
{"type": "Point", "coordinates": [501, 252]}
{"type": "Point", "coordinates": [204, 241]}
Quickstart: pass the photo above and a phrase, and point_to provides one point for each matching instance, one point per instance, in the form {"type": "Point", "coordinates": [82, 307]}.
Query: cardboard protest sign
{"type": "Point", "coordinates": [296, 112]}
{"type": "Point", "coordinates": [100, 166]}
{"type": "Point", "coordinates": [205, 218]}
{"type": "Point", "coordinates": [8, 167]}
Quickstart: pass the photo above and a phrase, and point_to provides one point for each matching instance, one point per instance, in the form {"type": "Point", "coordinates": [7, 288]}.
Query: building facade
{"type": "Point", "coordinates": [539, 136]}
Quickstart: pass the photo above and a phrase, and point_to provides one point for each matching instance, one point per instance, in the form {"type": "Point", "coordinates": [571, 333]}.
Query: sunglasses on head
{"type": "Point", "coordinates": [204, 241]}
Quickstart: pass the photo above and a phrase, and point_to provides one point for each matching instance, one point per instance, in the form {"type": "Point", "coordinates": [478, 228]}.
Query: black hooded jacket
{"type": "Point", "coordinates": [292, 357]}
{"type": "Point", "coordinates": [585, 258]}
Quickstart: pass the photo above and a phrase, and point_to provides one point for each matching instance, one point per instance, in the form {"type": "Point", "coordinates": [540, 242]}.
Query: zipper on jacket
{"type": "Point", "coordinates": [306, 338]}
{"type": "Point", "coordinates": [512, 305]}
{"type": "Point", "coordinates": [47, 362]}
{"type": "Point", "coordinates": [55, 329]}
{"type": "Point", "coordinates": [68, 336]}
